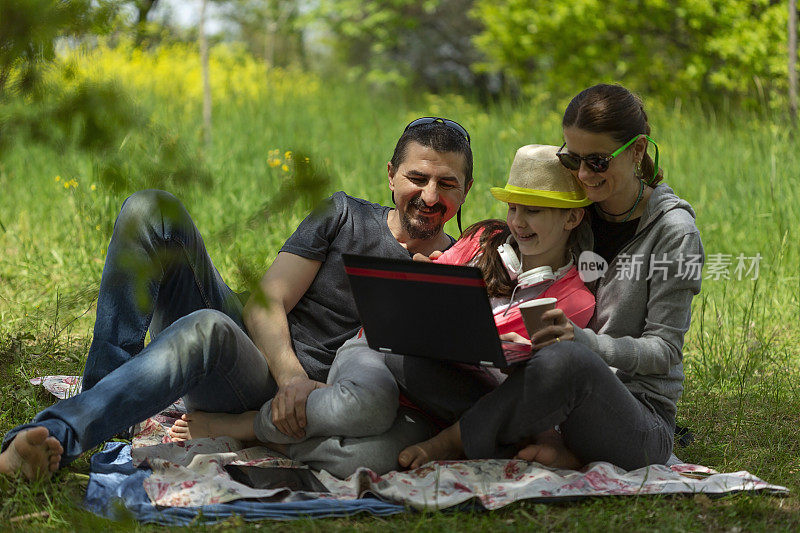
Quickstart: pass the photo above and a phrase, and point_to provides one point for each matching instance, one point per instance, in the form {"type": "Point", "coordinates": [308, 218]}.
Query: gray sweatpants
{"type": "Point", "coordinates": [565, 384]}
{"type": "Point", "coordinates": [354, 422]}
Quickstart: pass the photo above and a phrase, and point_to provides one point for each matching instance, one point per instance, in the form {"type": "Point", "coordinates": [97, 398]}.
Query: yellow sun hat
{"type": "Point", "coordinates": [538, 178]}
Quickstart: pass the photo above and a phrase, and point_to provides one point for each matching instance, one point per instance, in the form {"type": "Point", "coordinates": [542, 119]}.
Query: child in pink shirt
{"type": "Point", "coordinates": [538, 240]}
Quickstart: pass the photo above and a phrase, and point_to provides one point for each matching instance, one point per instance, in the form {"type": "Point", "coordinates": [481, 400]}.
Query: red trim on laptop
{"type": "Point", "coordinates": [408, 276]}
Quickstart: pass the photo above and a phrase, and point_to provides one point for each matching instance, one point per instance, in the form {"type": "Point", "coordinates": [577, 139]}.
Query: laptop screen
{"type": "Point", "coordinates": [424, 309]}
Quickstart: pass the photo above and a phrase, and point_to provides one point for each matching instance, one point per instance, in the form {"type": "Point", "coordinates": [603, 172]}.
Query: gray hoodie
{"type": "Point", "coordinates": [639, 324]}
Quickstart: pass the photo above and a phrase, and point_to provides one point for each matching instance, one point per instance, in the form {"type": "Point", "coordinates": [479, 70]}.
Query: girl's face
{"type": "Point", "coordinates": [620, 176]}
{"type": "Point", "coordinates": [542, 232]}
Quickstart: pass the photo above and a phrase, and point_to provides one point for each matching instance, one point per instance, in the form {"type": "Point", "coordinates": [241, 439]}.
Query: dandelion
{"type": "Point", "coordinates": [288, 154]}
{"type": "Point", "coordinates": [58, 178]}
{"type": "Point", "coordinates": [93, 187]}
{"type": "Point", "coordinates": [97, 227]}
{"type": "Point", "coordinates": [274, 163]}
{"type": "Point", "coordinates": [285, 167]}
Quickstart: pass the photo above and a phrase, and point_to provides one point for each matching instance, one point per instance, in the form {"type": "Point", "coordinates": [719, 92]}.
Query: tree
{"type": "Point", "coordinates": [29, 30]}
{"type": "Point", "coordinates": [143, 9]}
{"type": "Point", "coordinates": [63, 112]}
{"type": "Point", "coordinates": [201, 32]}
{"type": "Point", "coordinates": [272, 29]}
{"type": "Point", "coordinates": [671, 48]}
{"type": "Point", "coordinates": [407, 42]}
{"type": "Point", "coordinates": [792, 27]}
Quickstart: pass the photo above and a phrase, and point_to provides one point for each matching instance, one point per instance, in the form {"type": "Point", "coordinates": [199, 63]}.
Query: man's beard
{"type": "Point", "coordinates": [422, 227]}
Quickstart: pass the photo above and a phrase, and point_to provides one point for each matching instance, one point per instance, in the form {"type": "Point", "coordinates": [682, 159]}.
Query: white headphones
{"type": "Point", "coordinates": [513, 265]}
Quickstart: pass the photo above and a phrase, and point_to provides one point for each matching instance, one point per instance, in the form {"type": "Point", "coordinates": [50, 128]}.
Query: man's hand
{"type": "Point", "coordinates": [289, 406]}
{"type": "Point", "coordinates": [560, 330]}
{"type": "Point", "coordinates": [422, 258]}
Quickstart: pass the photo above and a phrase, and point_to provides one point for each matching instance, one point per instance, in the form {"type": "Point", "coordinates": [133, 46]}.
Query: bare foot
{"type": "Point", "coordinates": [550, 450]}
{"type": "Point", "coordinates": [445, 445]}
{"type": "Point", "coordinates": [33, 452]}
{"type": "Point", "coordinates": [199, 424]}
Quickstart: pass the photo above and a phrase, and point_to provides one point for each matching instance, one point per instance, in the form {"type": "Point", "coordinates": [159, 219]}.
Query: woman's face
{"type": "Point", "coordinates": [600, 186]}
{"type": "Point", "coordinates": [540, 232]}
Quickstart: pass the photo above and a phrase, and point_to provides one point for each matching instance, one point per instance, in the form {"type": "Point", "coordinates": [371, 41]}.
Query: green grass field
{"type": "Point", "coordinates": [742, 395]}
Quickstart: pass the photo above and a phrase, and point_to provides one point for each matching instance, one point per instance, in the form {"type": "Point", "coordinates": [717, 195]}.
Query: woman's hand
{"type": "Point", "coordinates": [560, 330]}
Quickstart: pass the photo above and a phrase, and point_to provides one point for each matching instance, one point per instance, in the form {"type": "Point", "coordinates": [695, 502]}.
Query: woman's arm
{"type": "Point", "coordinates": [667, 317]}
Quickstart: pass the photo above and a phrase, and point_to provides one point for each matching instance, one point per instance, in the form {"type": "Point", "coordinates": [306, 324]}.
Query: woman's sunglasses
{"type": "Point", "coordinates": [452, 124]}
{"type": "Point", "coordinates": [599, 163]}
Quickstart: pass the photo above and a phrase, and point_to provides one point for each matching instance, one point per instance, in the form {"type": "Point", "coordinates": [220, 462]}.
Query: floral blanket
{"type": "Point", "coordinates": [193, 474]}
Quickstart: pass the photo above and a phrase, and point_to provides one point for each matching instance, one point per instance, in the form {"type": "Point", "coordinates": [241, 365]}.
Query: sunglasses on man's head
{"type": "Point", "coordinates": [596, 162]}
{"type": "Point", "coordinates": [452, 124]}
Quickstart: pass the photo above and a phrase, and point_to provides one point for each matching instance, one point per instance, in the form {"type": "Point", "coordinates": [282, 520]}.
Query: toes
{"type": "Point", "coordinates": [54, 446]}
{"type": "Point", "coordinates": [528, 453]}
{"type": "Point", "coordinates": [37, 436]}
{"type": "Point", "coordinates": [413, 457]}
{"type": "Point", "coordinates": [405, 458]}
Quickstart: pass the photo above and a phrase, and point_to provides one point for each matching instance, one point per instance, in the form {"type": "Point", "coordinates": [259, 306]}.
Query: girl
{"type": "Point", "coordinates": [533, 253]}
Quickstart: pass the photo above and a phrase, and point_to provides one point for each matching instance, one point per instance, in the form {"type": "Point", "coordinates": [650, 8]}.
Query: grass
{"type": "Point", "coordinates": [742, 396]}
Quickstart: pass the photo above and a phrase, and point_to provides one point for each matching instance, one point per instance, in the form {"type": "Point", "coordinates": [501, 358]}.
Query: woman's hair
{"type": "Point", "coordinates": [493, 233]}
{"type": "Point", "coordinates": [615, 111]}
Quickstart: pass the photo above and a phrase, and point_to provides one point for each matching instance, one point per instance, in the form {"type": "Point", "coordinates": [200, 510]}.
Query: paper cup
{"type": "Point", "coordinates": [532, 313]}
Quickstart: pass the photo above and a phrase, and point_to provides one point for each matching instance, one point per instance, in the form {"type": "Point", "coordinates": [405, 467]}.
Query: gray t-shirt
{"type": "Point", "coordinates": [326, 315]}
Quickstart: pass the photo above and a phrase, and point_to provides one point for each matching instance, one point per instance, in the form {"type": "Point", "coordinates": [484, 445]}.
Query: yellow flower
{"type": "Point", "coordinates": [274, 162]}
{"type": "Point", "coordinates": [93, 187]}
{"type": "Point", "coordinates": [288, 154]}
{"type": "Point", "coordinates": [285, 168]}
{"type": "Point", "coordinates": [97, 227]}
{"type": "Point", "coordinates": [58, 178]}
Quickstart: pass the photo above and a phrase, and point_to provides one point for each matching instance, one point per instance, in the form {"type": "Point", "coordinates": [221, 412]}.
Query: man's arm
{"type": "Point", "coordinates": [284, 283]}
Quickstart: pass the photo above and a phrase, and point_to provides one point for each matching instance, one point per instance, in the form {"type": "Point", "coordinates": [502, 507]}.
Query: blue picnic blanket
{"type": "Point", "coordinates": [115, 491]}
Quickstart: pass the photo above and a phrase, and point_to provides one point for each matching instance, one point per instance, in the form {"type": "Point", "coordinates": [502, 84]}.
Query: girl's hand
{"type": "Point", "coordinates": [514, 337]}
{"type": "Point", "coordinates": [560, 330]}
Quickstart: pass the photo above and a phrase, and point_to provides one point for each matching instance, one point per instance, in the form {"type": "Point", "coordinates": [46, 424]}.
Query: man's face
{"type": "Point", "coordinates": [428, 189]}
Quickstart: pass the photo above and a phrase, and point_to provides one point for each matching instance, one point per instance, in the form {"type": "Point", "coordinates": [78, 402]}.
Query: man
{"type": "Point", "coordinates": [208, 349]}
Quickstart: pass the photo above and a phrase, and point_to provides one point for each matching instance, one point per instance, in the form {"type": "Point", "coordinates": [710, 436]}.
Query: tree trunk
{"type": "Point", "coordinates": [206, 82]}
{"type": "Point", "coordinates": [793, 62]}
{"type": "Point", "coordinates": [143, 9]}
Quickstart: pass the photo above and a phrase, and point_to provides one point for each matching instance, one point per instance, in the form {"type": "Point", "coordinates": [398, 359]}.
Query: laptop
{"type": "Point", "coordinates": [428, 310]}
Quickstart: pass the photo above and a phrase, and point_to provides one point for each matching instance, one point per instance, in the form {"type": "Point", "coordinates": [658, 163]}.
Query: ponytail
{"type": "Point", "coordinates": [493, 233]}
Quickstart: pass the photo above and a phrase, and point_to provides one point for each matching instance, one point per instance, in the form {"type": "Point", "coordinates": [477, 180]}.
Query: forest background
{"type": "Point", "coordinates": [299, 99]}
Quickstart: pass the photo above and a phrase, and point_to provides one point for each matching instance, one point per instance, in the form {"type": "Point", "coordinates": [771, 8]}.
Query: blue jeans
{"type": "Point", "coordinates": [158, 276]}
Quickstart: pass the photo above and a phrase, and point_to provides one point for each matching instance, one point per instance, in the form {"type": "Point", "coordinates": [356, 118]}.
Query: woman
{"type": "Point", "coordinates": [610, 389]}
